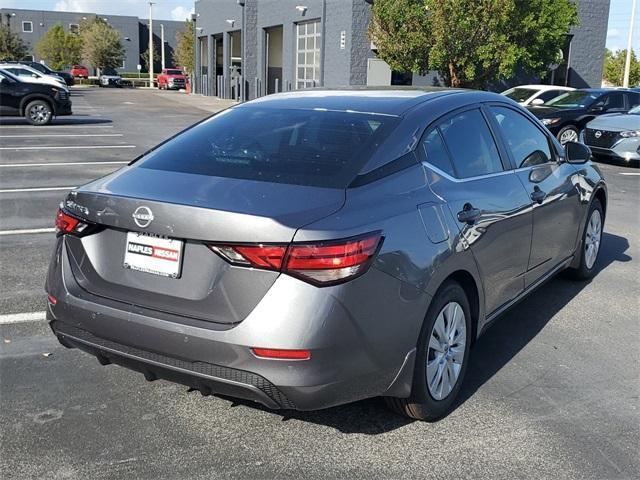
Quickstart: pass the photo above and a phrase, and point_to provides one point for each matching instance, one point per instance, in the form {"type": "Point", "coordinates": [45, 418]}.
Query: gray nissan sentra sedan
{"type": "Point", "coordinates": [309, 249]}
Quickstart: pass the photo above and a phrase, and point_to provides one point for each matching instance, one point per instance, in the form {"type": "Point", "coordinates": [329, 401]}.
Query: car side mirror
{"type": "Point", "coordinates": [577, 153]}
{"type": "Point", "coordinates": [537, 101]}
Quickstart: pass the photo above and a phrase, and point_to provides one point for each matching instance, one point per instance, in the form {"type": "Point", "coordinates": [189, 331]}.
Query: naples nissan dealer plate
{"type": "Point", "coordinates": [153, 254]}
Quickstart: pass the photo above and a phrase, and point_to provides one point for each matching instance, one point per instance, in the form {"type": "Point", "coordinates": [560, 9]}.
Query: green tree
{"type": "Point", "coordinates": [614, 67]}
{"type": "Point", "coordinates": [183, 54]}
{"type": "Point", "coordinates": [59, 48]}
{"type": "Point", "coordinates": [471, 43]}
{"type": "Point", "coordinates": [11, 45]}
{"type": "Point", "coordinates": [101, 44]}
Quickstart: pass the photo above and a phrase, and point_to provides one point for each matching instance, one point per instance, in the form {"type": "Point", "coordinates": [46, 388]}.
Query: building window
{"type": "Point", "coordinates": [74, 28]}
{"type": "Point", "coordinates": [308, 54]}
{"type": "Point", "coordinates": [27, 27]}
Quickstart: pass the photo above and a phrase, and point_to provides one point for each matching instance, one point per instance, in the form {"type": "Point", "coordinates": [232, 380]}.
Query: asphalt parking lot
{"type": "Point", "coordinates": [552, 389]}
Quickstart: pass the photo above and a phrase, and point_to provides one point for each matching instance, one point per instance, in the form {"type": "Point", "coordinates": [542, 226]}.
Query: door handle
{"type": "Point", "coordinates": [468, 214]}
{"type": "Point", "coordinates": [538, 195]}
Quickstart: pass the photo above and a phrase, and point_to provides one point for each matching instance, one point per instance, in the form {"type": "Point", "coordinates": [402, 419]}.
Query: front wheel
{"type": "Point", "coordinates": [591, 240]}
{"type": "Point", "coordinates": [441, 358]}
{"type": "Point", "coordinates": [568, 134]}
{"type": "Point", "coordinates": [38, 113]}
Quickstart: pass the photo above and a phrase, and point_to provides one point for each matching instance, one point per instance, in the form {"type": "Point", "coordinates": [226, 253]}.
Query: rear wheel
{"type": "Point", "coordinates": [441, 359]}
{"type": "Point", "coordinates": [591, 240]}
{"type": "Point", "coordinates": [38, 113]}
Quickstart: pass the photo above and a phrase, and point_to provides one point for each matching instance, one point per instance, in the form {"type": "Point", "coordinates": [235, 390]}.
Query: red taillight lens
{"type": "Point", "coordinates": [321, 263]}
{"type": "Point", "coordinates": [66, 223]}
{"type": "Point", "coordinates": [282, 354]}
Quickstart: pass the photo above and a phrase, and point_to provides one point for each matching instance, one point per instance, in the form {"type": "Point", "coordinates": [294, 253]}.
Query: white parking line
{"type": "Point", "coordinates": [65, 135]}
{"type": "Point", "coordinates": [27, 231]}
{"type": "Point", "coordinates": [36, 189]}
{"type": "Point", "coordinates": [61, 164]}
{"type": "Point", "coordinates": [68, 147]}
{"type": "Point", "coordinates": [22, 317]}
{"type": "Point", "coordinates": [629, 173]}
{"type": "Point", "coordinates": [71, 125]}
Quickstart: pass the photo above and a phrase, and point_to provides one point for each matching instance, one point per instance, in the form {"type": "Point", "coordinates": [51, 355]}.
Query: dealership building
{"type": "Point", "coordinates": [250, 48]}
{"type": "Point", "coordinates": [31, 25]}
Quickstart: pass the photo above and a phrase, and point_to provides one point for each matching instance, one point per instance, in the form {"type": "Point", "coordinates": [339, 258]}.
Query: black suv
{"type": "Point", "coordinates": [38, 103]}
{"type": "Point", "coordinates": [565, 116]}
{"type": "Point", "coordinates": [41, 67]}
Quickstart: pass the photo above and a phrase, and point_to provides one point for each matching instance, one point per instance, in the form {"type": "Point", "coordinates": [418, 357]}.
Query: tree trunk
{"type": "Point", "coordinates": [453, 76]}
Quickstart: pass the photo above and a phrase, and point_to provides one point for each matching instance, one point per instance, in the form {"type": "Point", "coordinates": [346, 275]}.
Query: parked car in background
{"type": "Point", "coordinates": [109, 77]}
{"type": "Point", "coordinates": [31, 75]}
{"type": "Point", "coordinates": [172, 78]}
{"type": "Point", "coordinates": [566, 115]}
{"type": "Point", "coordinates": [243, 256]}
{"type": "Point", "coordinates": [37, 102]}
{"type": "Point", "coordinates": [41, 67]}
{"type": "Point", "coordinates": [616, 135]}
{"type": "Point", "coordinates": [79, 71]}
{"type": "Point", "coordinates": [535, 94]}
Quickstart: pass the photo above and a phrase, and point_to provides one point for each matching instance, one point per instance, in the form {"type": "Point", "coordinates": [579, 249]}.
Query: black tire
{"type": "Point", "coordinates": [583, 271]}
{"type": "Point", "coordinates": [568, 130]}
{"type": "Point", "coordinates": [421, 405]}
{"type": "Point", "coordinates": [38, 112]}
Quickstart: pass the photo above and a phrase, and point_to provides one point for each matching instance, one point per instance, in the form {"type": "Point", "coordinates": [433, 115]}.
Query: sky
{"type": "Point", "coordinates": [618, 29]}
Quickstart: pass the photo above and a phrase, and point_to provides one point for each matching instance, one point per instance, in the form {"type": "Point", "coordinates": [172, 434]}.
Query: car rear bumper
{"type": "Point", "coordinates": [354, 353]}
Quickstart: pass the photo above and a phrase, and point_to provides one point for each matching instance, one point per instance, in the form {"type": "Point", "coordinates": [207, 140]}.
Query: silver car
{"type": "Point", "coordinates": [310, 249]}
{"type": "Point", "coordinates": [616, 135]}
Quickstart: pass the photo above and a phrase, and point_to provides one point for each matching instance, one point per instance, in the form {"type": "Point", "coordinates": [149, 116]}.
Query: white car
{"type": "Point", "coordinates": [535, 94]}
{"type": "Point", "coordinates": [31, 75]}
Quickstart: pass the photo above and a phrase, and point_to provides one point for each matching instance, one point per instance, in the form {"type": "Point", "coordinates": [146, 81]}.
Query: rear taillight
{"type": "Point", "coordinates": [66, 223]}
{"type": "Point", "coordinates": [321, 263]}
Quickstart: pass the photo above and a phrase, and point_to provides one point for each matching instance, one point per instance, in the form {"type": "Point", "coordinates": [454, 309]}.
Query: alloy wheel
{"type": "Point", "coordinates": [446, 349]}
{"type": "Point", "coordinates": [569, 135]}
{"type": "Point", "coordinates": [39, 113]}
{"type": "Point", "coordinates": [592, 239]}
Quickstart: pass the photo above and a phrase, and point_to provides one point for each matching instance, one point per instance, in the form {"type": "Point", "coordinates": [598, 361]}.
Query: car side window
{"type": "Point", "coordinates": [435, 151]}
{"type": "Point", "coordinates": [612, 101]}
{"type": "Point", "coordinates": [527, 144]}
{"type": "Point", "coordinates": [634, 100]}
{"type": "Point", "coordinates": [549, 95]}
{"type": "Point", "coordinates": [470, 142]}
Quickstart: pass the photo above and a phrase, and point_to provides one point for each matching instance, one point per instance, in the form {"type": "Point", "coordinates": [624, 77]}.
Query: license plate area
{"type": "Point", "coordinates": [153, 254]}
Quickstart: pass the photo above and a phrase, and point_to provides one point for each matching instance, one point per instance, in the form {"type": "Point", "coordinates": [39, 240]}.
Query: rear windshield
{"type": "Point", "coordinates": [174, 72]}
{"type": "Point", "coordinates": [304, 147]}
{"type": "Point", "coordinates": [519, 94]}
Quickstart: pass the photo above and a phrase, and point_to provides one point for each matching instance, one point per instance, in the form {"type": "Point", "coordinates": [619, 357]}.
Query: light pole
{"type": "Point", "coordinates": [150, 45]}
{"type": "Point", "coordinates": [627, 63]}
{"type": "Point", "coordinates": [162, 43]}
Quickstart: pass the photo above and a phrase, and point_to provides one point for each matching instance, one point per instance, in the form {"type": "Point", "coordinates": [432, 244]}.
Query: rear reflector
{"type": "Point", "coordinates": [52, 300]}
{"type": "Point", "coordinates": [321, 263]}
{"type": "Point", "coordinates": [282, 354]}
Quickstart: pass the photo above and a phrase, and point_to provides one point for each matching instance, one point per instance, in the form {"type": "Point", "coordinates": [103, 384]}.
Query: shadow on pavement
{"type": "Point", "coordinates": [495, 349]}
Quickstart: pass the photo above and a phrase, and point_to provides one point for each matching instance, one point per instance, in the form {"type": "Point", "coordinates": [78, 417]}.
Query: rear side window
{"type": "Point", "coordinates": [435, 151]}
{"type": "Point", "coordinates": [469, 140]}
{"type": "Point", "coordinates": [527, 144]}
{"type": "Point", "coordinates": [304, 147]}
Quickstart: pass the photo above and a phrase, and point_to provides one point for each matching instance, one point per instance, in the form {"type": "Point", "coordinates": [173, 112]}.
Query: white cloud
{"type": "Point", "coordinates": [613, 33]}
{"type": "Point", "coordinates": [181, 13]}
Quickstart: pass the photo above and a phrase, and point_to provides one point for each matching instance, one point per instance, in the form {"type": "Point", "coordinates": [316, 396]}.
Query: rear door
{"type": "Point", "coordinates": [10, 96]}
{"type": "Point", "coordinates": [486, 197]}
{"type": "Point", "coordinates": [550, 186]}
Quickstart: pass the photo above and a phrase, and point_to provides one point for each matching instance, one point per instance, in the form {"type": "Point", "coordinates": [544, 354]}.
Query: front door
{"type": "Point", "coordinates": [487, 199]}
{"type": "Point", "coordinates": [550, 186]}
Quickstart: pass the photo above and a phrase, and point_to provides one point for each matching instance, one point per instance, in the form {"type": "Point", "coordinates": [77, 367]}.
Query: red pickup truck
{"type": "Point", "coordinates": [172, 78]}
{"type": "Point", "coordinates": [79, 71]}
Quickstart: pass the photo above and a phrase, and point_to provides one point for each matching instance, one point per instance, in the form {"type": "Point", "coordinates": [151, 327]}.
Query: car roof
{"type": "Point", "coordinates": [544, 87]}
{"type": "Point", "coordinates": [20, 65]}
{"type": "Point", "coordinates": [392, 101]}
